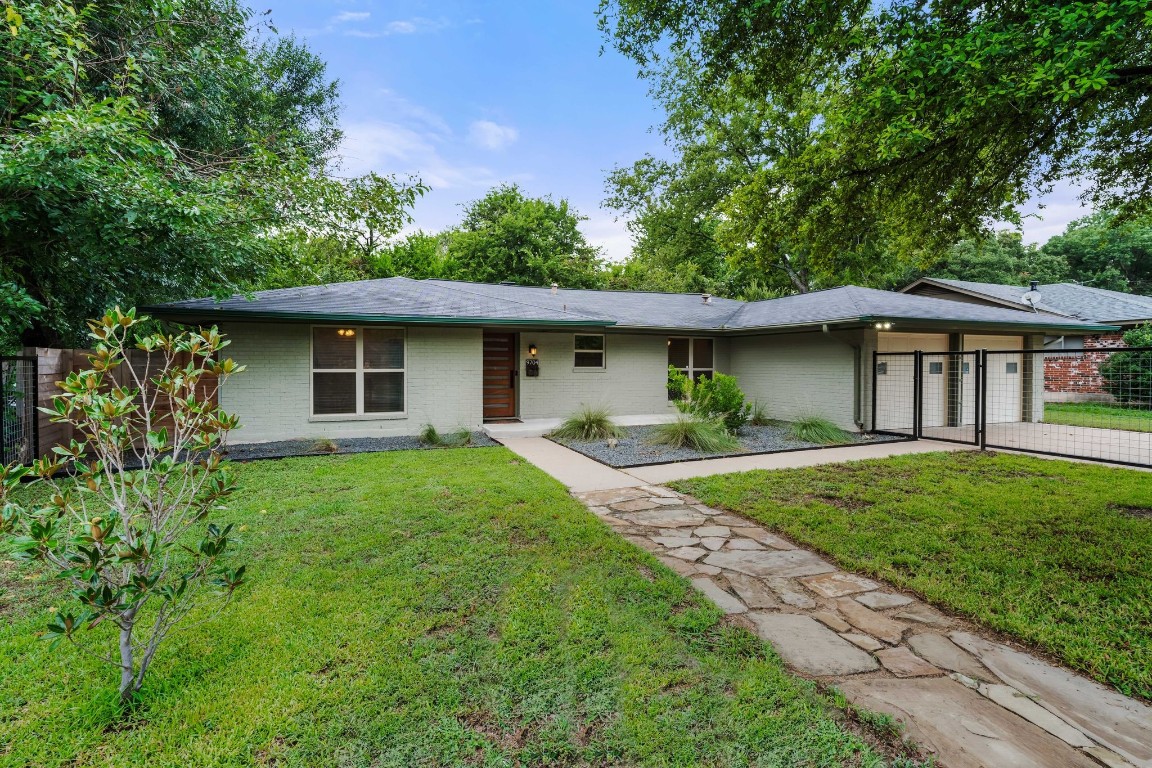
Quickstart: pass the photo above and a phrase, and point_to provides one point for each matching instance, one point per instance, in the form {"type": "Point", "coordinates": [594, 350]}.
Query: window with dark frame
{"type": "Point", "coordinates": [589, 350]}
{"type": "Point", "coordinates": [357, 371]}
{"type": "Point", "coordinates": [694, 357]}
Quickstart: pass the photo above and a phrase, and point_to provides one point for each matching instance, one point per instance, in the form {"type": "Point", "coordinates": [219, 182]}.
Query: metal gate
{"type": "Point", "coordinates": [19, 433]}
{"type": "Point", "coordinates": [935, 395]}
{"type": "Point", "coordinates": [1093, 404]}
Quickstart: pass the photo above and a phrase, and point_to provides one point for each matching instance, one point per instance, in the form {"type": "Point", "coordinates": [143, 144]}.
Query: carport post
{"type": "Point", "coordinates": [875, 382]}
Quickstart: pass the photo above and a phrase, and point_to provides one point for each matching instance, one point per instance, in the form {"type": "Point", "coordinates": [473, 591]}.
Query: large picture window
{"type": "Point", "coordinates": [692, 357]}
{"type": "Point", "coordinates": [589, 350]}
{"type": "Point", "coordinates": [357, 371]}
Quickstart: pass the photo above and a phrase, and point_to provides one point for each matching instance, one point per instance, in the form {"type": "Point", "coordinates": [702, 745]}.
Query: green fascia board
{"type": "Point", "coordinates": [213, 315]}
{"type": "Point", "coordinates": [983, 325]}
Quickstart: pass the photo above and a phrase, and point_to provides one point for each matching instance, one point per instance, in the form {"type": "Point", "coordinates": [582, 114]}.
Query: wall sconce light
{"type": "Point", "coordinates": [346, 332]}
{"type": "Point", "coordinates": [532, 350]}
{"type": "Point", "coordinates": [883, 326]}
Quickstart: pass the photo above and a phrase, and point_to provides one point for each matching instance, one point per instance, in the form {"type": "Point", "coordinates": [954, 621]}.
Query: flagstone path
{"type": "Point", "coordinates": [972, 701]}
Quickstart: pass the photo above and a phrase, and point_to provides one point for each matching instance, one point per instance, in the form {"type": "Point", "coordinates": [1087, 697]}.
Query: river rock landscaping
{"type": "Point", "coordinates": [285, 448]}
{"type": "Point", "coordinates": [637, 448]}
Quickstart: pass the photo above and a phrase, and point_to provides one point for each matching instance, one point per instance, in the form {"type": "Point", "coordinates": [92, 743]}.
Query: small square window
{"type": "Point", "coordinates": [882, 369]}
{"type": "Point", "coordinates": [966, 369]}
{"type": "Point", "coordinates": [589, 351]}
{"type": "Point", "coordinates": [1012, 368]}
{"type": "Point", "coordinates": [935, 367]}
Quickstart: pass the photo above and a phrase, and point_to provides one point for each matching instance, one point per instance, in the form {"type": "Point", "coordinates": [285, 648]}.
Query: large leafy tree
{"type": "Point", "coordinates": [146, 148]}
{"type": "Point", "coordinates": [508, 236]}
{"type": "Point", "coordinates": [1001, 258]}
{"type": "Point", "coordinates": [1105, 253]}
{"type": "Point", "coordinates": [927, 121]}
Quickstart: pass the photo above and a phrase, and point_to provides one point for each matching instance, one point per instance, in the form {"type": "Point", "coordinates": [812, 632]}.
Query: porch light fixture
{"type": "Point", "coordinates": [346, 332]}
{"type": "Point", "coordinates": [883, 326]}
{"type": "Point", "coordinates": [532, 350]}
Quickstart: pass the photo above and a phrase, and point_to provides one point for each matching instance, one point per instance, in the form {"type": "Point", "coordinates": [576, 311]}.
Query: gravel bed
{"type": "Point", "coordinates": [286, 448]}
{"type": "Point", "coordinates": [635, 449]}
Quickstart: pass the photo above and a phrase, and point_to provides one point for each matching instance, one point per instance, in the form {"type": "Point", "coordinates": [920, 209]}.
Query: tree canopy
{"type": "Point", "coordinates": [147, 148]}
{"type": "Point", "coordinates": [1104, 253]}
{"type": "Point", "coordinates": [908, 125]}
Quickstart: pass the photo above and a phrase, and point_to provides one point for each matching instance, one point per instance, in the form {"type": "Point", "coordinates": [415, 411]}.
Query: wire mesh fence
{"type": "Point", "coordinates": [18, 420]}
{"type": "Point", "coordinates": [1088, 404]}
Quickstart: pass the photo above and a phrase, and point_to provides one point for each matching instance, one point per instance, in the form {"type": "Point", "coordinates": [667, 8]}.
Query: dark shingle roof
{"type": "Point", "coordinates": [402, 300]}
{"type": "Point", "coordinates": [1070, 299]}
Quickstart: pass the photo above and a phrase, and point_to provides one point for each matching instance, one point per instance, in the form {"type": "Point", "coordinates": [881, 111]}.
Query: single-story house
{"type": "Point", "coordinates": [1069, 377]}
{"type": "Point", "coordinates": [384, 357]}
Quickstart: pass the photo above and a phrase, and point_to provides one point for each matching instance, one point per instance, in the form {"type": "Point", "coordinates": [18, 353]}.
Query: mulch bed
{"type": "Point", "coordinates": [636, 448]}
{"type": "Point", "coordinates": [286, 448]}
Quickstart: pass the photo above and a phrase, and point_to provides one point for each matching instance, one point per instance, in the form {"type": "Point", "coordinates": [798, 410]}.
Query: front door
{"type": "Point", "coordinates": [501, 366]}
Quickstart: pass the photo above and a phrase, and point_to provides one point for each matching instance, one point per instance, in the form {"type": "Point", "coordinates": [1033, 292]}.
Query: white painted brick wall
{"type": "Point", "coordinates": [797, 375]}
{"type": "Point", "coordinates": [272, 396]}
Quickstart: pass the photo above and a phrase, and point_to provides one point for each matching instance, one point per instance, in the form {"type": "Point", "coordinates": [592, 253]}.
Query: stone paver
{"type": "Point", "coordinates": [791, 563]}
{"type": "Point", "coordinates": [878, 601]}
{"type": "Point", "coordinates": [1117, 722]}
{"type": "Point", "coordinates": [870, 622]}
{"type": "Point", "coordinates": [838, 584]}
{"type": "Point", "coordinates": [973, 701]}
{"type": "Point", "coordinates": [713, 592]}
{"type": "Point", "coordinates": [945, 654]}
{"type": "Point", "coordinates": [753, 592]}
{"type": "Point", "coordinates": [965, 729]}
{"type": "Point", "coordinates": [808, 646]}
{"type": "Point", "coordinates": [903, 663]}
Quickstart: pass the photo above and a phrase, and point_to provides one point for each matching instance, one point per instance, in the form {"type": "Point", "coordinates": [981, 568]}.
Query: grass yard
{"type": "Point", "coordinates": [1057, 554]}
{"type": "Point", "coordinates": [418, 609]}
{"type": "Point", "coordinates": [1099, 415]}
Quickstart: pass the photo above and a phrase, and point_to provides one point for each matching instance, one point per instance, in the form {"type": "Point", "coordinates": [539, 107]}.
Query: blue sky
{"type": "Point", "coordinates": [466, 95]}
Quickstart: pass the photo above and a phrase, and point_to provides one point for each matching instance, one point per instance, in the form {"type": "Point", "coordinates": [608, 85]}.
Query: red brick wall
{"type": "Point", "coordinates": [1079, 372]}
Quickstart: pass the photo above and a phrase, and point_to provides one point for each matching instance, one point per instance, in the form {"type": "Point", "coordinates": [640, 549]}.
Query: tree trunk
{"type": "Point", "coordinates": [127, 678]}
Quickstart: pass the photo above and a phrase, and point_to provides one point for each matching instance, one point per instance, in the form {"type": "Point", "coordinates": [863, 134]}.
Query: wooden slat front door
{"type": "Point", "coordinates": [500, 369]}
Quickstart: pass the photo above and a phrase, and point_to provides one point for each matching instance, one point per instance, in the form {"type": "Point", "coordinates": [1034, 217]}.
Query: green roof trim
{"type": "Point", "coordinates": [1041, 326]}
{"type": "Point", "coordinates": [328, 318]}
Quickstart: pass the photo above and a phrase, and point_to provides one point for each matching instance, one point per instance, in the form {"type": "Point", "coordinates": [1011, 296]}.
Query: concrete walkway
{"type": "Point", "coordinates": [971, 700]}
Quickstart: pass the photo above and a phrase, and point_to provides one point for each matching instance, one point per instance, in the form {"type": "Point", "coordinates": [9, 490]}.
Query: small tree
{"type": "Point", "coordinates": [1128, 375]}
{"type": "Point", "coordinates": [124, 520]}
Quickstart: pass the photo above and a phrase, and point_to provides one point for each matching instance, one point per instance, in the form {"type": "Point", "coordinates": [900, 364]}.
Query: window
{"type": "Point", "coordinates": [935, 368]}
{"type": "Point", "coordinates": [882, 369]}
{"type": "Point", "coordinates": [357, 371]}
{"type": "Point", "coordinates": [1011, 367]}
{"type": "Point", "coordinates": [693, 357]}
{"type": "Point", "coordinates": [589, 350]}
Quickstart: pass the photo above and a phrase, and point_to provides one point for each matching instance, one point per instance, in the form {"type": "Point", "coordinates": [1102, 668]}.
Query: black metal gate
{"type": "Point", "coordinates": [19, 433]}
{"type": "Point", "coordinates": [1093, 404]}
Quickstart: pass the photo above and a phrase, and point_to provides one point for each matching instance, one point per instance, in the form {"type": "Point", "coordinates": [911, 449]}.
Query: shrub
{"type": "Point", "coordinates": [1128, 375]}
{"type": "Point", "coordinates": [690, 431]}
{"type": "Point", "coordinates": [457, 439]}
{"type": "Point", "coordinates": [588, 424]}
{"type": "Point", "coordinates": [717, 397]}
{"type": "Point", "coordinates": [814, 429]}
{"type": "Point", "coordinates": [124, 521]}
{"type": "Point", "coordinates": [323, 445]}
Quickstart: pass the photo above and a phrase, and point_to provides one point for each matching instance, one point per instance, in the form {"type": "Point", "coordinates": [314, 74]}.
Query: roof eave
{"type": "Point", "coordinates": [992, 324]}
{"type": "Point", "coordinates": [213, 315]}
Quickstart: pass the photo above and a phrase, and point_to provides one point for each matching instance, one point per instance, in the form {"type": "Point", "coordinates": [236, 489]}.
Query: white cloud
{"type": "Point", "coordinates": [388, 147]}
{"type": "Point", "coordinates": [610, 234]}
{"type": "Point", "coordinates": [1051, 213]}
{"type": "Point", "coordinates": [401, 27]}
{"type": "Point", "coordinates": [346, 16]}
{"type": "Point", "coordinates": [490, 135]}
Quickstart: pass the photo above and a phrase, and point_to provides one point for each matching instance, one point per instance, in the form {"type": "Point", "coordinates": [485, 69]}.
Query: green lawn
{"type": "Point", "coordinates": [1057, 554]}
{"type": "Point", "coordinates": [418, 609]}
{"type": "Point", "coordinates": [1098, 415]}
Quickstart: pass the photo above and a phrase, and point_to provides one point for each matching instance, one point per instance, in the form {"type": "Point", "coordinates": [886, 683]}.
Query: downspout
{"type": "Point", "coordinates": [857, 387]}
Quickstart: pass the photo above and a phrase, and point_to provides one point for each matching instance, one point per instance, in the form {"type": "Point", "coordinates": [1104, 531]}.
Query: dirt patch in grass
{"type": "Point", "coordinates": [1140, 513]}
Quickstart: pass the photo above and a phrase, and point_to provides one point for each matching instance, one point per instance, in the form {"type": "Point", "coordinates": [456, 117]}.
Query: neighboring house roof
{"type": "Point", "coordinates": [1068, 299]}
{"type": "Point", "coordinates": [402, 300]}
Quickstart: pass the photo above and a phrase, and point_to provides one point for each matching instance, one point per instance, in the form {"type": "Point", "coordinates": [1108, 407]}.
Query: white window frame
{"type": "Point", "coordinates": [603, 353]}
{"type": "Point", "coordinates": [360, 414]}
